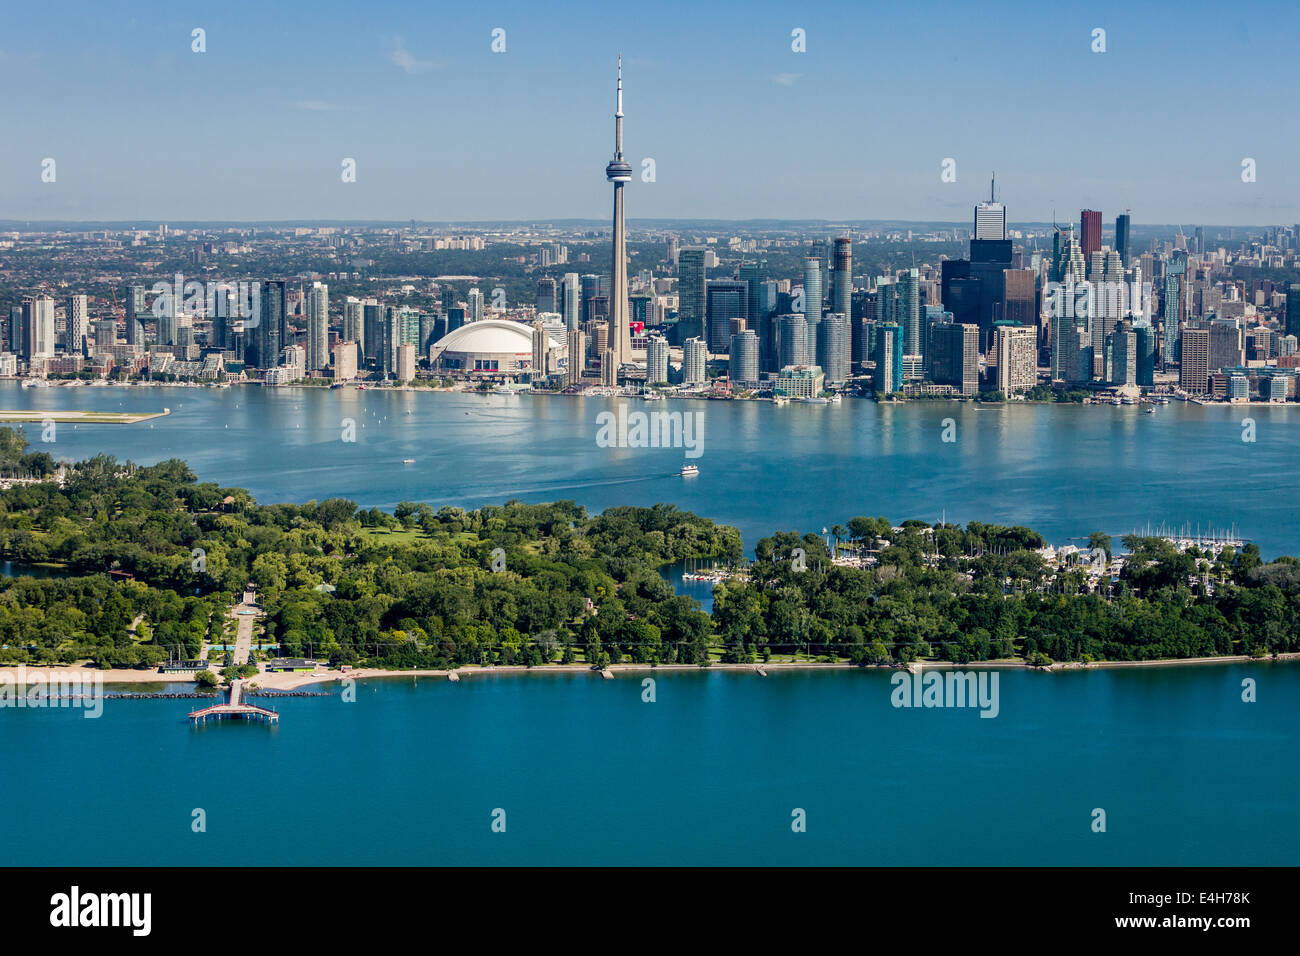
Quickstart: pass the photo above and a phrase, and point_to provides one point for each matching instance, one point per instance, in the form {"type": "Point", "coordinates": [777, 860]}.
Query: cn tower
{"type": "Point", "coordinates": [619, 172]}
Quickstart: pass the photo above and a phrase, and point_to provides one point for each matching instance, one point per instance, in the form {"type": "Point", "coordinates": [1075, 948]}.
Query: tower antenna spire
{"type": "Point", "coordinates": [618, 172]}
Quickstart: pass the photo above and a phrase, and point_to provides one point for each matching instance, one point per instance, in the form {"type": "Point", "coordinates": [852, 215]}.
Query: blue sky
{"type": "Point", "coordinates": [739, 126]}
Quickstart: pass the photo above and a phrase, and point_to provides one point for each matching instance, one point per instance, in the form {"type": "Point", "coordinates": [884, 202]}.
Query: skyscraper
{"type": "Point", "coordinates": [812, 293]}
{"type": "Point", "coordinates": [656, 366]}
{"type": "Point", "coordinates": [1019, 293]}
{"type": "Point", "coordinates": [691, 303]}
{"type": "Point", "coordinates": [269, 336]}
{"type": "Point", "coordinates": [619, 172]}
{"type": "Point", "coordinates": [370, 342]}
{"type": "Point", "coordinates": [541, 351]}
{"type": "Point", "coordinates": [694, 359]}
{"type": "Point", "coordinates": [953, 356]}
{"type": "Point", "coordinates": [843, 303]}
{"type": "Point", "coordinates": [318, 325]}
{"type": "Point", "coordinates": [391, 340]}
{"type": "Point", "coordinates": [547, 300]}
{"type": "Point", "coordinates": [474, 301]}
{"type": "Point", "coordinates": [743, 367]}
{"type": "Point", "coordinates": [889, 359]}
{"type": "Point", "coordinates": [726, 299]}
{"type": "Point", "coordinates": [1194, 374]}
{"type": "Point", "coordinates": [74, 336]}
{"type": "Point", "coordinates": [14, 342]}
{"type": "Point", "coordinates": [758, 315]}
{"type": "Point", "coordinates": [1090, 231]}
{"type": "Point", "coordinates": [990, 218]}
{"type": "Point", "coordinates": [1293, 309]}
{"type": "Point", "coordinates": [134, 306]}
{"type": "Point", "coordinates": [353, 326]}
{"type": "Point", "coordinates": [572, 290]}
{"type": "Point", "coordinates": [577, 356]}
{"type": "Point", "coordinates": [833, 347]}
{"type": "Point", "coordinates": [1122, 227]}
{"type": "Point", "coordinates": [38, 327]}
{"type": "Point", "coordinates": [792, 340]}
{"type": "Point", "coordinates": [909, 311]}
{"type": "Point", "coordinates": [1017, 369]}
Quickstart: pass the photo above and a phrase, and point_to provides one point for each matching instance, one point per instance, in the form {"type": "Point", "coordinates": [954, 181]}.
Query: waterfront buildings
{"type": "Point", "coordinates": [656, 369]}
{"type": "Point", "coordinates": [406, 362]}
{"type": "Point", "coordinates": [571, 297]}
{"type": "Point", "coordinates": [843, 301]}
{"type": "Point", "coordinates": [318, 324]}
{"type": "Point", "coordinates": [38, 328]}
{"type": "Point", "coordinates": [77, 325]}
{"type": "Point", "coordinates": [269, 335]}
{"type": "Point", "coordinates": [744, 358]}
{"type": "Point", "coordinates": [954, 356]}
{"type": "Point", "coordinates": [909, 311]}
{"type": "Point", "coordinates": [577, 340]}
{"type": "Point", "coordinates": [812, 293]}
{"type": "Point", "coordinates": [792, 340]}
{"type": "Point", "coordinates": [694, 358]}
{"type": "Point", "coordinates": [345, 361]}
{"type": "Point", "coordinates": [691, 301]}
{"type": "Point", "coordinates": [1017, 367]}
{"type": "Point", "coordinates": [800, 381]}
{"type": "Point", "coordinates": [833, 348]}
{"type": "Point", "coordinates": [889, 359]}
{"type": "Point", "coordinates": [1194, 374]}
{"type": "Point", "coordinates": [726, 300]}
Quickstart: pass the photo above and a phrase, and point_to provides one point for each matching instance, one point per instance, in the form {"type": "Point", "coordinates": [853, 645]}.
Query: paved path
{"type": "Point", "coordinates": [244, 634]}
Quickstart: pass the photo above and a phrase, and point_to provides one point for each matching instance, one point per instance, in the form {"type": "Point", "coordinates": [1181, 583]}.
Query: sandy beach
{"type": "Point", "coordinates": [288, 681]}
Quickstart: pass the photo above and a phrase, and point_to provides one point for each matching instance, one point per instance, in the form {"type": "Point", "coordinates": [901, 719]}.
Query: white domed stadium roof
{"type": "Point", "coordinates": [487, 336]}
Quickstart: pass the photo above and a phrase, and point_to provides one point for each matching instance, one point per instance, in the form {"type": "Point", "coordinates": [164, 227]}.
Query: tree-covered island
{"type": "Point", "coordinates": [130, 566]}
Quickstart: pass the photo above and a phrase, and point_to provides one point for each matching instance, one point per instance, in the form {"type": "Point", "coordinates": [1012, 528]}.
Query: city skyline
{"type": "Point", "coordinates": [253, 129]}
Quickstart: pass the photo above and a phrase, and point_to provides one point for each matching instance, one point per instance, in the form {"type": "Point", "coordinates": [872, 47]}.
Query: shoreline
{"type": "Point", "coordinates": [294, 681]}
{"type": "Point", "coordinates": [326, 385]}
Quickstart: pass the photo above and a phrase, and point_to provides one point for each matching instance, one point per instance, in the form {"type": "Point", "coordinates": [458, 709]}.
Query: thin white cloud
{"type": "Point", "coordinates": [408, 61]}
{"type": "Point", "coordinates": [317, 106]}
{"type": "Point", "coordinates": [786, 79]}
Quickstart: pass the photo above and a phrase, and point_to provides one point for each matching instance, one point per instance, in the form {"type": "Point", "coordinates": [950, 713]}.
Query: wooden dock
{"type": "Point", "coordinates": [234, 708]}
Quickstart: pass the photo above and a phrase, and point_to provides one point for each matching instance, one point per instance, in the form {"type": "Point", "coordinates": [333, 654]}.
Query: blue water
{"type": "Point", "coordinates": [709, 773]}
{"type": "Point", "coordinates": [1065, 471]}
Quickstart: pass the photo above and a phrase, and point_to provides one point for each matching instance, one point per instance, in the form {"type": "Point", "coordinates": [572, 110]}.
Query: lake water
{"type": "Point", "coordinates": [1063, 470]}
{"type": "Point", "coordinates": [709, 773]}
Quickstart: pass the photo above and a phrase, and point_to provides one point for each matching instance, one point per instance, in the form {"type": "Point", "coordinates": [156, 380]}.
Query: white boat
{"type": "Point", "coordinates": [1150, 410]}
{"type": "Point", "coordinates": [689, 471]}
{"type": "Point", "coordinates": [408, 461]}
{"type": "Point", "coordinates": [653, 397]}
{"type": "Point", "coordinates": [780, 400]}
